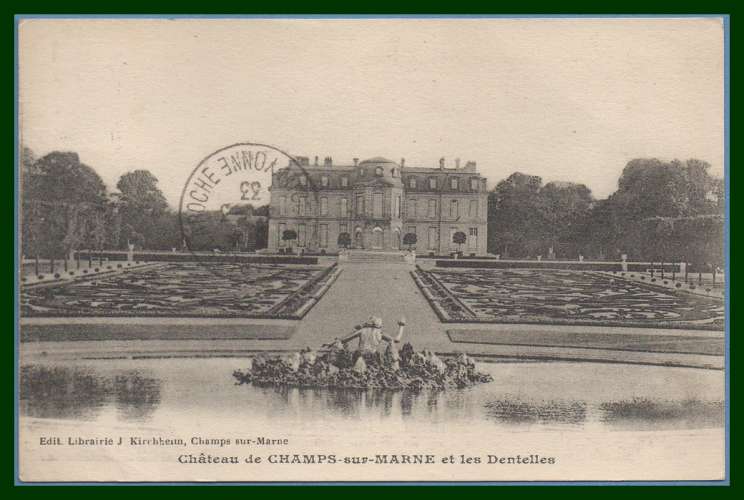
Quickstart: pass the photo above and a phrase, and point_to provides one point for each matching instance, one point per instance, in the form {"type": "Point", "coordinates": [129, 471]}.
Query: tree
{"type": "Point", "coordinates": [410, 239]}
{"type": "Point", "coordinates": [62, 201]}
{"type": "Point", "coordinates": [651, 189]}
{"type": "Point", "coordinates": [564, 207]}
{"type": "Point", "coordinates": [139, 189]}
{"type": "Point", "coordinates": [142, 207]}
{"type": "Point", "coordinates": [289, 235]}
{"type": "Point", "coordinates": [344, 240]}
{"type": "Point", "coordinates": [459, 238]}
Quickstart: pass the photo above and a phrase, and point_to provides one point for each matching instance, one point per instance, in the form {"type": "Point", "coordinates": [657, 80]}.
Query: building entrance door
{"type": "Point", "coordinates": [377, 238]}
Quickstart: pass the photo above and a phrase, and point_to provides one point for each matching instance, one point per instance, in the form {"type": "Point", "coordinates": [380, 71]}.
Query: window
{"type": "Point", "coordinates": [324, 236]}
{"type": "Point", "coordinates": [303, 180]}
{"type": "Point", "coordinates": [433, 238]}
{"type": "Point", "coordinates": [473, 239]}
{"type": "Point", "coordinates": [283, 205]}
{"type": "Point", "coordinates": [343, 228]}
{"type": "Point", "coordinates": [378, 171]}
{"type": "Point", "coordinates": [282, 228]}
{"type": "Point", "coordinates": [432, 182]}
{"type": "Point", "coordinates": [397, 206]}
{"type": "Point", "coordinates": [344, 181]}
{"type": "Point", "coordinates": [411, 208]}
{"type": "Point", "coordinates": [324, 181]}
{"type": "Point", "coordinates": [301, 235]}
{"type": "Point", "coordinates": [302, 206]}
{"type": "Point", "coordinates": [412, 183]}
{"type": "Point", "coordinates": [394, 171]}
{"type": "Point", "coordinates": [411, 229]}
{"type": "Point", "coordinates": [360, 204]}
{"type": "Point", "coordinates": [361, 172]}
{"type": "Point", "coordinates": [474, 184]}
{"type": "Point", "coordinates": [377, 205]}
{"type": "Point", "coordinates": [453, 183]}
{"type": "Point", "coordinates": [452, 244]}
{"type": "Point", "coordinates": [454, 209]}
{"type": "Point", "coordinates": [323, 206]}
{"type": "Point", "coordinates": [344, 208]}
{"type": "Point", "coordinates": [473, 208]}
{"type": "Point", "coordinates": [432, 208]}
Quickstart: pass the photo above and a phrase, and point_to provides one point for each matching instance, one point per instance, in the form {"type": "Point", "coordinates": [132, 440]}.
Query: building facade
{"type": "Point", "coordinates": [376, 202]}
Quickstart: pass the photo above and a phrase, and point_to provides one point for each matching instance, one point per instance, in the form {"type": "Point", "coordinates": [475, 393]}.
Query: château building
{"type": "Point", "coordinates": [378, 201]}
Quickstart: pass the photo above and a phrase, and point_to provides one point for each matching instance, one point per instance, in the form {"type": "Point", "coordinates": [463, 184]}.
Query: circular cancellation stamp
{"type": "Point", "coordinates": [225, 205]}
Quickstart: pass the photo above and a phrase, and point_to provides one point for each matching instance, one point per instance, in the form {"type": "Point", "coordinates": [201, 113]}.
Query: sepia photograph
{"type": "Point", "coordinates": [372, 249]}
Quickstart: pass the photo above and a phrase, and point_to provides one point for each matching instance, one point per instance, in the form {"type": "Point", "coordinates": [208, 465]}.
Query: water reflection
{"type": "Point", "coordinates": [641, 413]}
{"type": "Point", "coordinates": [514, 411]}
{"type": "Point", "coordinates": [62, 392]}
{"type": "Point", "coordinates": [159, 391]}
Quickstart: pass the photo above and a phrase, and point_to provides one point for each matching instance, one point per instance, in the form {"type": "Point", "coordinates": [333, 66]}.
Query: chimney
{"type": "Point", "coordinates": [441, 163]}
{"type": "Point", "coordinates": [457, 163]}
{"type": "Point", "coordinates": [356, 161]}
{"type": "Point", "coordinates": [402, 162]}
{"type": "Point", "coordinates": [316, 161]}
{"type": "Point", "coordinates": [327, 162]}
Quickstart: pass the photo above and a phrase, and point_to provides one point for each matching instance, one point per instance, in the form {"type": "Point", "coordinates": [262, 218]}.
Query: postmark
{"type": "Point", "coordinates": [225, 205]}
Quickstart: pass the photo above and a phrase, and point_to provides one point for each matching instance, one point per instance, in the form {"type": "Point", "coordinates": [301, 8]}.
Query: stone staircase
{"type": "Point", "coordinates": [374, 257]}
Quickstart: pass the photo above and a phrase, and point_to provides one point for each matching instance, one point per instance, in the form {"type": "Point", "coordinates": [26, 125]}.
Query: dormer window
{"type": "Point", "coordinates": [378, 171]}
{"type": "Point", "coordinates": [394, 172]}
{"type": "Point", "coordinates": [474, 184]}
{"type": "Point", "coordinates": [432, 182]}
{"type": "Point", "coordinates": [412, 183]}
{"type": "Point", "coordinates": [361, 172]}
{"type": "Point", "coordinates": [324, 181]}
{"type": "Point", "coordinates": [303, 180]}
{"type": "Point", "coordinates": [453, 183]}
{"type": "Point", "coordinates": [344, 181]}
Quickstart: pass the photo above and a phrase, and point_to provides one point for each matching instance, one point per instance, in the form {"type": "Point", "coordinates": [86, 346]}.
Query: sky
{"type": "Point", "coordinates": [565, 99]}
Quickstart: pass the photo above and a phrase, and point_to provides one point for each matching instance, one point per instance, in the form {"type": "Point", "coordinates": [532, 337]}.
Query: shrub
{"type": "Point", "coordinates": [95, 270]}
{"type": "Point", "coordinates": [678, 285]}
{"type": "Point", "coordinates": [56, 275]}
{"type": "Point", "coordinates": [85, 271]}
{"type": "Point", "coordinates": [41, 276]}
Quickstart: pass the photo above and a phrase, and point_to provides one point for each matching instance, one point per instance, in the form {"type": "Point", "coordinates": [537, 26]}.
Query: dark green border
{"type": "Point", "coordinates": [348, 7]}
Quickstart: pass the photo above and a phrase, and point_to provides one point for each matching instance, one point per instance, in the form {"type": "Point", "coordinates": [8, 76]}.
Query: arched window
{"type": "Point", "coordinates": [412, 183]}
{"type": "Point", "coordinates": [378, 171]}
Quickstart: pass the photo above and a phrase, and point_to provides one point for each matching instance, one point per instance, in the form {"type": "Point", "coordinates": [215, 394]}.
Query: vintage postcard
{"type": "Point", "coordinates": [413, 249]}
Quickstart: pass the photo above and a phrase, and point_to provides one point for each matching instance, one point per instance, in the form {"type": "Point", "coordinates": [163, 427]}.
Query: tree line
{"type": "Point", "coordinates": [661, 211]}
{"type": "Point", "coordinates": [66, 207]}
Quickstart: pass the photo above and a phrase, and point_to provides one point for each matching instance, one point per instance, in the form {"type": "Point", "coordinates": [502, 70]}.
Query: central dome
{"type": "Point", "coordinates": [378, 159]}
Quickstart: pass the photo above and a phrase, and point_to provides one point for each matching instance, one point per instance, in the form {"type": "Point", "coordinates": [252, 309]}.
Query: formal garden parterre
{"type": "Point", "coordinates": [556, 296]}
{"type": "Point", "coordinates": [186, 289]}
